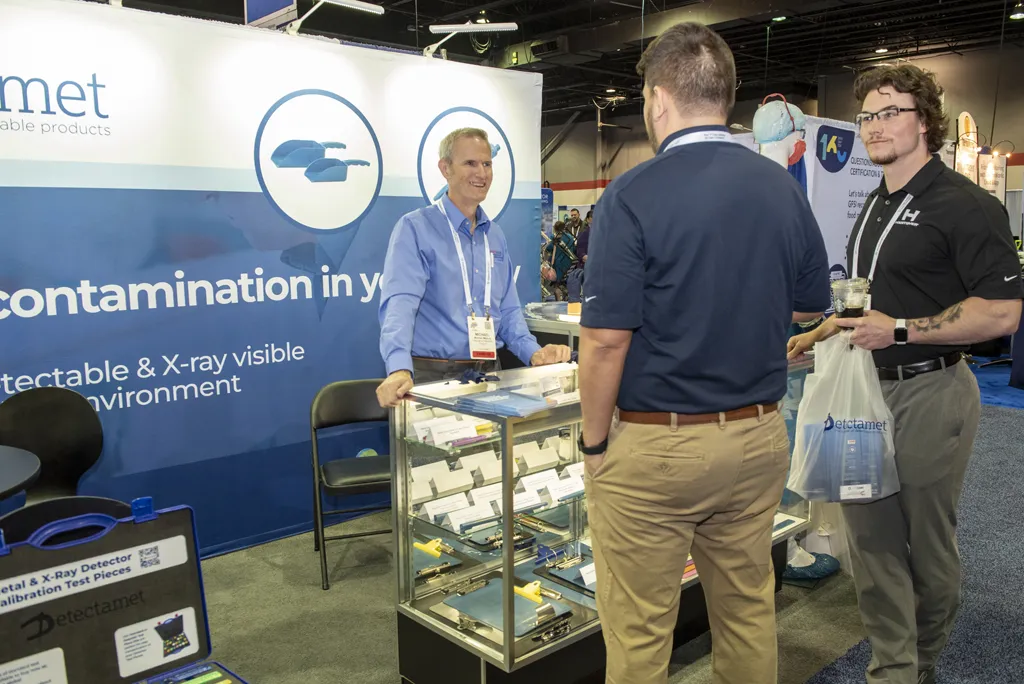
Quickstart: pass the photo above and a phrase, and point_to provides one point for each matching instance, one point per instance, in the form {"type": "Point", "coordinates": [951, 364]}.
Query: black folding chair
{"type": "Point", "coordinates": [337, 404]}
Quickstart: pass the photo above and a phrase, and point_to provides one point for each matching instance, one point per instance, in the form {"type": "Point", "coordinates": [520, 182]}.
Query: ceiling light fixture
{"type": "Point", "coordinates": [881, 51]}
{"type": "Point", "coordinates": [293, 28]}
{"type": "Point", "coordinates": [468, 27]}
{"type": "Point", "coordinates": [610, 90]}
{"type": "Point", "coordinates": [778, 19]}
{"type": "Point", "coordinates": [1018, 11]}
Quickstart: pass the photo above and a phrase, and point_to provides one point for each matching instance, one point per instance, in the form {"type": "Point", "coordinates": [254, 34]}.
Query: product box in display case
{"type": "Point", "coordinates": [472, 607]}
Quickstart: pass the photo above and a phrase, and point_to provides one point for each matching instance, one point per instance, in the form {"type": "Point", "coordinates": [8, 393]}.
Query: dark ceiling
{"type": "Point", "coordinates": [585, 48]}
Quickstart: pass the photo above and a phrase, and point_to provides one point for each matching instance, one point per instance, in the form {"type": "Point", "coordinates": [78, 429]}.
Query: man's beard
{"type": "Point", "coordinates": [884, 159]}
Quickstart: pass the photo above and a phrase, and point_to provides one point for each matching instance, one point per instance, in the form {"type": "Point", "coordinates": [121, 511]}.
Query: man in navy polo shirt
{"type": "Point", "coordinates": [698, 260]}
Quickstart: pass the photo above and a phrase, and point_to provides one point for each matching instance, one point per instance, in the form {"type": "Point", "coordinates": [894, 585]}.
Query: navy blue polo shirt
{"type": "Point", "coordinates": [704, 252]}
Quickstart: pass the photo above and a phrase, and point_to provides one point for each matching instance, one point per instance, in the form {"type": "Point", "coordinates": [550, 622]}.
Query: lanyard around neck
{"type": "Point", "coordinates": [465, 269]}
{"type": "Point", "coordinates": [701, 136]}
{"type": "Point", "coordinates": [878, 247]}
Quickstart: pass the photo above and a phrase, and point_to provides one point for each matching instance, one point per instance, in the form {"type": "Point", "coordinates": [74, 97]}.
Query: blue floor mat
{"type": "Point", "coordinates": [985, 645]}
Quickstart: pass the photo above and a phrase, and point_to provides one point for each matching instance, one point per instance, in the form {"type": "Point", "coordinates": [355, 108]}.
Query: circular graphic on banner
{"type": "Point", "coordinates": [318, 160]}
{"type": "Point", "coordinates": [432, 183]}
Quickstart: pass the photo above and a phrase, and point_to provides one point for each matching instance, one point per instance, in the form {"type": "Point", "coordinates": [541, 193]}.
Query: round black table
{"type": "Point", "coordinates": [18, 470]}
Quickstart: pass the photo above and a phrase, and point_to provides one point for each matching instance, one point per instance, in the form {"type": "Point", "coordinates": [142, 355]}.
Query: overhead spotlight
{"type": "Point", "coordinates": [610, 90]}
{"type": "Point", "coordinates": [468, 27]}
{"type": "Point", "coordinates": [293, 28]}
{"type": "Point", "coordinates": [881, 51]}
{"type": "Point", "coordinates": [1018, 11]}
{"type": "Point", "coordinates": [482, 19]}
{"type": "Point", "coordinates": [778, 19]}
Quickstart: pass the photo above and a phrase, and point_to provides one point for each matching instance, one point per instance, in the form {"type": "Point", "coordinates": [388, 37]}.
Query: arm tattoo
{"type": "Point", "coordinates": [950, 315]}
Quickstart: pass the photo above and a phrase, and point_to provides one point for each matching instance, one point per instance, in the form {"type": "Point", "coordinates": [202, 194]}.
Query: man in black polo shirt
{"type": "Point", "coordinates": [698, 260]}
{"type": "Point", "coordinates": [944, 274]}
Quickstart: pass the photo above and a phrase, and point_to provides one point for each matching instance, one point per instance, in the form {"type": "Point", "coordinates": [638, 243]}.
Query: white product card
{"type": "Point", "coordinates": [554, 443]}
{"type": "Point", "coordinates": [439, 507]}
{"type": "Point", "coordinates": [563, 489]}
{"type": "Point", "coordinates": [524, 449]}
{"type": "Point", "coordinates": [533, 462]}
{"type": "Point", "coordinates": [574, 469]}
{"type": "Point", "coordinates": [474, 461]}
{"type": "Point", "coordinates": [453, 482]}
{"type": "Point", "coordinates": [589, 574]}
{"type": "Point", "coordinates": [567, 398]}
{"type": "Point", "coordinates": [526, 501]}
{"type": "Point", "coordinates": [425, 473]}
{"type": "Point", "coordinates": [156, 642]}
{"type": "Point", "coordinates": [449, 432]}
{"type": "Point", "coordinates": [423, 427]}
{"type": "Point", "coordinates": [486, 495]}
{"type": "Point", "coordinates": [482, 344]}
{"type": "Point", "coordinates": [539, 481]}
{"type": "Point", "coordinates": [91, 573]}
{"type": "Point", "coordinates": [459, 520]}
{"type": "Point", "coordinates": [550, 386]}
{"type": "Point", "coordinates": [851, 492]}
{"type": "Point", "coordinates": [419, 492]}
{"type": "Point", "coordinates": [42, 668]}
{"type": "Point", "coordinates": [489, 472]}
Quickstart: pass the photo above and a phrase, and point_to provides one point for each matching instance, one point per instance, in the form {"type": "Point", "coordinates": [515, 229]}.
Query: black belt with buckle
{"type": "Point", "coordinates": [914, 369]}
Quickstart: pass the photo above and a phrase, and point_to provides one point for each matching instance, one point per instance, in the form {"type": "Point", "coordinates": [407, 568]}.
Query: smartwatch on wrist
{"type": "Point", "coordinates": [595, 450]}
{"type": "Point", "coordinates": [900, 334]}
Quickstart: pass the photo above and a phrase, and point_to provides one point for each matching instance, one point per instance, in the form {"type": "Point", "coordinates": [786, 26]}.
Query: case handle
{"type": "Point", "coordinates": [105, 523]}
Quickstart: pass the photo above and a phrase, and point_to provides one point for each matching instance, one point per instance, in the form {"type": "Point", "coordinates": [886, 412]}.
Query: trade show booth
{"type": "Point", "coordinates": [195, 217]}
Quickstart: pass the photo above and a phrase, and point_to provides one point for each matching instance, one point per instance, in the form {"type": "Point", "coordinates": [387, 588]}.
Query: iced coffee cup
{"type": "Point", "coordinates": [850, 297]}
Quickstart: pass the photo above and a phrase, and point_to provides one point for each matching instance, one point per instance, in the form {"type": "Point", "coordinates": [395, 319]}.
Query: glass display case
{"type": "Point", "coordinates": [465, 453]}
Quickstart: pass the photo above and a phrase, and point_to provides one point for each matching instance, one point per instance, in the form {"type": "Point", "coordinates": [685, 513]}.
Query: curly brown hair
{"type": "Point", "coordinates": [907, 78]}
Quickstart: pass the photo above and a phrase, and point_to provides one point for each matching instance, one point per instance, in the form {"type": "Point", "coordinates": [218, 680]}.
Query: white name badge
{"type": "Point", "coordinates": [482, 345]}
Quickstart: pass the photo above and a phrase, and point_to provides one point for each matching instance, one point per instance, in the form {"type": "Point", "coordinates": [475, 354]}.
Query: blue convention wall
{"type": "Point", "coordinates": [194, 220]}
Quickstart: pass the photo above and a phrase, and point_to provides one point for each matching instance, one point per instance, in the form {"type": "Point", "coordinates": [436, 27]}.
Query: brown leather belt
{"type": "Point", "coordinates": [645, 418]}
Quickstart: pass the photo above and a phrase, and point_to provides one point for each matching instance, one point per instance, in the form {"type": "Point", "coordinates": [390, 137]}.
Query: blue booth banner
{"type": "Point", "coordinates": [194, 220]}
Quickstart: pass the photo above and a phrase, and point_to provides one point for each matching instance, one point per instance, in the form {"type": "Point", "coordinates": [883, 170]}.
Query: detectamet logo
{"type": "Point", "coordinates": [834, 148]}
{"type": "Point", "coordinates": [858, 424]}
{"type": "Point", "coordinates": [33, 105]}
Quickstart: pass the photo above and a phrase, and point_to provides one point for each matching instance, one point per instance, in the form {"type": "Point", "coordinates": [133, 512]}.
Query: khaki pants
{"type": "Point", "coordinates": [906, 564]}
{"type": "Point", "coordinates": [660, 491]}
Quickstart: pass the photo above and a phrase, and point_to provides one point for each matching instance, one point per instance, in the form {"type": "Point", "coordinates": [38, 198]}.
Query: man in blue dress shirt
{"type": "Point", "coordinates": [448, 273]}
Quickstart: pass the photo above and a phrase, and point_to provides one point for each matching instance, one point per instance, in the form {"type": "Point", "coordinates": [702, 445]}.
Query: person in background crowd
{"type": "Point", "coordinates": [448, 268]}
{"type": "Point", "coordinates": [682, 368]}
{"type": "Point", "coordinates": [583, 241]}
{"type": "Point", "coordinates": [574, 225]}
{"type": "Point", "coordinates": [560, 253]}
{"type": "Point", "coordinates": [944, 274]}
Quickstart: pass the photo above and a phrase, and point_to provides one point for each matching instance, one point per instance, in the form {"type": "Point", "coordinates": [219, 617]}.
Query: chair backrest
{"type": "Point", "coordinates": [19, 525]}
{"type": "Point", "coordinates": [346, 402]}
{"type": "Point", "coordinates": [60, 427]}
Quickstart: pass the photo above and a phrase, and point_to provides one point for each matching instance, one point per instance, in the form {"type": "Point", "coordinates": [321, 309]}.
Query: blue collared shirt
{"type": "Point", "coordinates": [423, 303]}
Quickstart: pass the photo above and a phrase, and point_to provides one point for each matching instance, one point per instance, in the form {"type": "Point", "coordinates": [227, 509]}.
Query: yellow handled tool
{"type": "Point", "coordinates": [531, 591]}
{"type": "Point", "coordinates": [433, 547]}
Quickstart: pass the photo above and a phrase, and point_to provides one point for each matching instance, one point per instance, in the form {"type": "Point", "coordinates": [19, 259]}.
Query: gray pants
{"type": "Point", "coordinates": [906, 565]}
{"type": "Point", "coordinates": [436, 370]}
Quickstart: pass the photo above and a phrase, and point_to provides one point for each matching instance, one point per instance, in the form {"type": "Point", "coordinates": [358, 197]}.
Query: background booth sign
{"type": "Point", "coordinates": [195, 218]}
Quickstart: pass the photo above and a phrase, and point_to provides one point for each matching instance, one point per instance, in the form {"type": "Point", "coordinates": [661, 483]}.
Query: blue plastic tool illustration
{"type": "Point", "coordinates": [331, 170]}
{"type": "Point", "coordinates": [495, 148]}
{"type": "Point", "coordinates": [299, 154]}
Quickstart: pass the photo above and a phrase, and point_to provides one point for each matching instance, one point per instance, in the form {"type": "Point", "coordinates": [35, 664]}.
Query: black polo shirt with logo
{"type": "Point", "coordinates": [951, 241]}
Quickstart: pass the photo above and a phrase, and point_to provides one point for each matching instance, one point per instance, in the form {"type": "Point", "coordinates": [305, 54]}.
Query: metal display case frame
{"type": "Point", "coordinates": [510, 655]}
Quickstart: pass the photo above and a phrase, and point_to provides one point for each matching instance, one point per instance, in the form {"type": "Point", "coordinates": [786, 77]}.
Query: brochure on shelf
{"type": "Point", "coordinates": [121, 602]}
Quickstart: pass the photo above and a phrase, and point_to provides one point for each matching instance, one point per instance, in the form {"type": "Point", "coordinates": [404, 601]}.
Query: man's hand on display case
{"type": "Point", "coordinates": [552, 353]}
{"type": "Point", "coordinates": [394, 388]}
{"type": "Point", "coordinates": [874, 331]}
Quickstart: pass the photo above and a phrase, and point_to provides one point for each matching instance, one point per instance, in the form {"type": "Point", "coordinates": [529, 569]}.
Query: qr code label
{"type": "Point", "coordinates": [149, 557]}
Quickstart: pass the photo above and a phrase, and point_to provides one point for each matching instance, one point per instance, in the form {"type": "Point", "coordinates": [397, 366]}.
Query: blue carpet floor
{"type": "Point", "coordinates": [987, 645]}
{"type": "Point", "coordinates": [994, 382]}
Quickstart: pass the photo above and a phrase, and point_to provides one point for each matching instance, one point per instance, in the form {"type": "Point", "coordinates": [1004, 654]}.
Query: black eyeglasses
{"type": "Point", "coordinates": [883, 115]}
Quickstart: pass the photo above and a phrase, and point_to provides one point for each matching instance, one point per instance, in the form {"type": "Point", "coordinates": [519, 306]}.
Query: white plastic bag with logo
{"type": "Point", "coordinates": [844, 447]}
